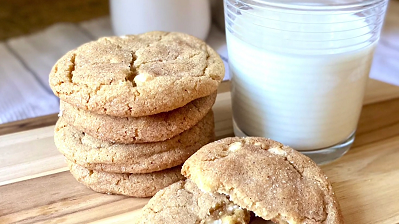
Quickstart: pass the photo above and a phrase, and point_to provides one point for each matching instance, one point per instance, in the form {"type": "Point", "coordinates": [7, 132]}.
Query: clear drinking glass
{"type": "Point", "coordinates": [140, 16]}
{"type": "Point", "coordinates": [299, 69]}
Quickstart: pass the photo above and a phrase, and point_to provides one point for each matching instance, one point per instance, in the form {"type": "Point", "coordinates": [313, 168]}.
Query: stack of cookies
{"type": "Point", "coordinates": [134, 108]}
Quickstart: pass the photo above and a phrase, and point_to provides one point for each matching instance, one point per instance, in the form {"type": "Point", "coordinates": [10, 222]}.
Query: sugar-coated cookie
{"type": "Point", "coordinates": [126, 130]}
{"type": "Point", "coordinates": [137, 75]}
{"type": "Point", "coordinates": [100, 155]}
{"type": "Point", "coordinates": [136, 185]}
{"type": "Point", "coordinates": [274, 181]}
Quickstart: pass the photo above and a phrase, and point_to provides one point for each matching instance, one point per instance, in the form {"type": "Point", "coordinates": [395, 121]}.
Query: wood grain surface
{"type": "Point", "coordinates": [36, 188]}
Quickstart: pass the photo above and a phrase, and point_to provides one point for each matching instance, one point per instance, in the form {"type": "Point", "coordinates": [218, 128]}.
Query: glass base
{"type": "Point", "coordinates": [319, 156]}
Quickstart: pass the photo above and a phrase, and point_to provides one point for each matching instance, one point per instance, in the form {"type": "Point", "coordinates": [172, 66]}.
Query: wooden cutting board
{"type": "Point", "coordinates": [36, 188]}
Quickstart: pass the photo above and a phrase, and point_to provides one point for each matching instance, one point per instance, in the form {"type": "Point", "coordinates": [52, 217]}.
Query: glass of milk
{"type": "Point", "coordinates": [299, 69]}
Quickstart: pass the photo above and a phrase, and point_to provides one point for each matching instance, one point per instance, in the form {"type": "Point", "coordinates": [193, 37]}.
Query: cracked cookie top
{"type": "Point", "coordinates": [274, 181]}
{"type": "Point", "coordinates": [183, 202]}
{"type": "Point", "coordinates": [137, 75]}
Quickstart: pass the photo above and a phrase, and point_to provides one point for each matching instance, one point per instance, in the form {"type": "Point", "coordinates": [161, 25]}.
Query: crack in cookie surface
{"type": "Point", "coordinates": [133, 71]}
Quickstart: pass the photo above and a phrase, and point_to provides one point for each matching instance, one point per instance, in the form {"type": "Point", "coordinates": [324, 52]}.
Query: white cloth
{"type": "Point", "coordinates": [41, 50]}
{"type": "Point", "coordinates": [21, 95]}
{"type": "Point", "coordinates": [26, 61]}
{"type": "Point", "coordinates": [385, 65]}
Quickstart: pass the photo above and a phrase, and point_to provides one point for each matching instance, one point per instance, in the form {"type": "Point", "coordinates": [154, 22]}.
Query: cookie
{"type": "Point", "coordinates": [154, 128]}
{"type": "Point", "coordinates": [274, 181]}
{"type": "Point", "coordinates": [96, 154]}
{"type": "Point", "coordinates": [137, 75]}
{"type": "Point", "coordinates": [183, 202]}
{"type": "Point", "coordinates": [135, 185]}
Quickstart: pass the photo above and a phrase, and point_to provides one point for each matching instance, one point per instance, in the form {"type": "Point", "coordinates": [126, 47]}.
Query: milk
{"type": "Point", "coordinates": [305, 94]}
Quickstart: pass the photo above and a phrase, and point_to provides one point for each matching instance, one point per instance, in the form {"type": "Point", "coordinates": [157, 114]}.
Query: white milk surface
{"type": "Point", "coordinates": [307, 101]}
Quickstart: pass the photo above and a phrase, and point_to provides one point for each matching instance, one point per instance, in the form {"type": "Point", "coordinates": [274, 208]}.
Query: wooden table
{"type": "Point", "coordinates": [36, 187]}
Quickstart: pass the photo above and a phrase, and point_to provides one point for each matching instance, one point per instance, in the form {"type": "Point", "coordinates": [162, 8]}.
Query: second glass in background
{"type": "Point", "coordinates": [140, 16]}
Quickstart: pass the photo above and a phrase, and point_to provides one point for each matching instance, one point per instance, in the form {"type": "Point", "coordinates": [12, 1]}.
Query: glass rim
{"type": "Point", "coordinates": [310, 5]}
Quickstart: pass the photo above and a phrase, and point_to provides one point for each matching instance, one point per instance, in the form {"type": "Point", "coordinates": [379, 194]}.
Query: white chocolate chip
{"type": "Point", "coordinates": [228, 214]}
{"type": "Point", "coordinates": [142, 78]}
{"type": "Point", "coordinates": [232, 207]}
{"type": "Point", "coordinates": [278, 151]}
{"type": "Point", "coordinates": [235, 146]}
